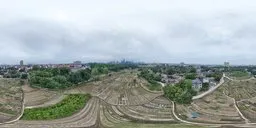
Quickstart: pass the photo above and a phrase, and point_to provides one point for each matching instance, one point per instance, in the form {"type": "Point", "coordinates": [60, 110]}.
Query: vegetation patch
{"type": "Point", "coordinates": [98, 69]}
{"type": "Point", "coordinates": [55, 78]}
{"type": "Point", "coordinates": [239, 74]}
{"type": "Point", "coordinates": [67, 107]}
{"type": "Point", "coordinates": [152, 78]}
{"type": "Point", "coordinates": [181, 93]}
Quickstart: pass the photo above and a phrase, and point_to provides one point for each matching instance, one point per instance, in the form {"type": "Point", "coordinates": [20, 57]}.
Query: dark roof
{"type": "Point", "coordinates": [196, 81]}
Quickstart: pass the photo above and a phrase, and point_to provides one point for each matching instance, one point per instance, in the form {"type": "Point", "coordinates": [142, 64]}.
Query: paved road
{"type": "Point", "coordinates": [211, 89]}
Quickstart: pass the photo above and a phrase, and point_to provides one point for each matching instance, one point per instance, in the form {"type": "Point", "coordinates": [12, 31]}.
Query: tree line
{"type": "Point", "coordinates": [55, 78]}
{"type": "Point", "coordinates": [101, 68]}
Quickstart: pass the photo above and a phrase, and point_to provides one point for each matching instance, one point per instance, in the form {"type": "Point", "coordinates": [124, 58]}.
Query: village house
{"type": "Point", "coordinates": [171, 79]}
{"type": "Point", "coordinates": [197, 84]}
{"type": "Point", "coordinates": [206, 80]}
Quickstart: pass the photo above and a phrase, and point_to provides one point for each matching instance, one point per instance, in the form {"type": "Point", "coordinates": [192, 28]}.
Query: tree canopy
{"type": "Point", "coordinates": [54, 78]}
{"type": "Point", "coordinates": [181, 92]}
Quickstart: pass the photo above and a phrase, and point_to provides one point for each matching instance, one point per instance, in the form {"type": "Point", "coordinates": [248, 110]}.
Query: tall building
{"type": "Point", "coordinates": [77, 62]}
{"type": "Point", "coordinates": [182, 64]}
{"type": "Point", "coordinates": [21, 63]}
{"type": "Point", "coordinates": [226, 64]}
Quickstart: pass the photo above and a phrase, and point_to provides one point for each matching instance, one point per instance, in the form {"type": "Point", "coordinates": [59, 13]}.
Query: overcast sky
{"type": "Point", "coordinates": [173, 31]}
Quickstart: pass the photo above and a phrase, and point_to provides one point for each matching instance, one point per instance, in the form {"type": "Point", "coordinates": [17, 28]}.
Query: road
{"type": "Point", "coordinates": [211, 89]}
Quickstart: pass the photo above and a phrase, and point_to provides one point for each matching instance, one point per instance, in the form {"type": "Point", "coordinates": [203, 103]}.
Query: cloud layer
{"type": "Point", "coordinates": [152, 31]}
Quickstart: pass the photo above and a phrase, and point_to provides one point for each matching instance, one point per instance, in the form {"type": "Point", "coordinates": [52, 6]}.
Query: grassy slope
{"type": "Point", "coordinates": [239, 74]}
{"type": "Point", "coordinates": [67, 107]}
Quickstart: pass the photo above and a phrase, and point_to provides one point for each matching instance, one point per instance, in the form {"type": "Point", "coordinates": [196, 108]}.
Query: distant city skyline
{"type": "Point", "coordinates": [161, 31]}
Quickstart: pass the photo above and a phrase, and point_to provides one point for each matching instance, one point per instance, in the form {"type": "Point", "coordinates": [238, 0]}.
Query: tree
{"type": "Point", "coordinates": [170, 71]}
{"type": "Point", "coordinates": [61, 79]}
{"type": "Point", "coordinates": [75, 78]}
{"type": "Point", "coordinates": [85, 74]}
{"type": "Point", "coordinates": [35, 67]}
{"type": "Point", "coordinates": [24, 76]}
{"type": "Point", "coordinates": [55, 71]}
{"type": "Point", "coordinates": [192, 70]}
{"type": "Point", "coordinates": [64, 71]}
{"type": "Point", "coordinates": [190, 76]}
{"type": "Point", "coordinates": [181, 92]}
{"type": "Point", "coordinates": [205, 87]}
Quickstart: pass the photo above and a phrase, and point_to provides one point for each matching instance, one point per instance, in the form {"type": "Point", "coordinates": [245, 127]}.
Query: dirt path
{"type": "Point", "coordinates": [238, 110]}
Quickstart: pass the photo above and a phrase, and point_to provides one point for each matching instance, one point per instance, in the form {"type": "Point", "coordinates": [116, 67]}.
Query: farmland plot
{"type": "Point", "coordinates": [121, 98]}
{"type": "Point", "coordinates": [124, 89]}
{"type": "Point", "coordinates": [87, 117]}
{"type": "Point", "coordinates": [214, 108]}
{"type": "Point", "coordinates": [244, 93]}
{"type": "Point", "coordinates": [248, 109]}
{"type": "Point", "coordinates": [11, 99]}
{"type": "Point", "coordinates": [38, 97]}
{"type": "Point", "coordinates": [158, 110]}
{"type": "Point", "coordinates": [240, 89]}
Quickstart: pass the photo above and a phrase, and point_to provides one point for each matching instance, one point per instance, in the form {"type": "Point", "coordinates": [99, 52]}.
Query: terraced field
{"type": "Point", "coordinates": [121, 100]}
{"type": "Point", "coordinates": [244, 93]}
{"type": "Point", "coordinates": [99, 113]}
{"type": "Point", "coordinates": [36, 97]}
{"type": "Point", "coordinates": [11, 99]}
{"type": "Point", "coordinates": [87, 117]}
{"type": "Point", "coordinates": [214, 108]}
{"type": "Point", "coordinates": [157, 110]}
{"type": "Point", "coordinates": [114, 99]}
{"type": "Point", "coordinates": [240, 90]}
{"type": "Point", "coordinates": [119, 89]}
{"type": "Point", "coordinates": [248, 109]}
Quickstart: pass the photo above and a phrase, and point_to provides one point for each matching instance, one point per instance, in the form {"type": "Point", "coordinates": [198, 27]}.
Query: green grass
{"type": "Point", "coordinates": [154, 86]}
{"type": "Point", "coordinates": [67, 107]}
{"type": "Point", "coordinates": [139, 125]}
{"type": "Point", "coordinates": [239, 74]}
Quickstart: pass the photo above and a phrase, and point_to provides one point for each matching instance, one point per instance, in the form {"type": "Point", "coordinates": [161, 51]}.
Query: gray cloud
{"type": "Point", "coordinates": [160, 31]}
